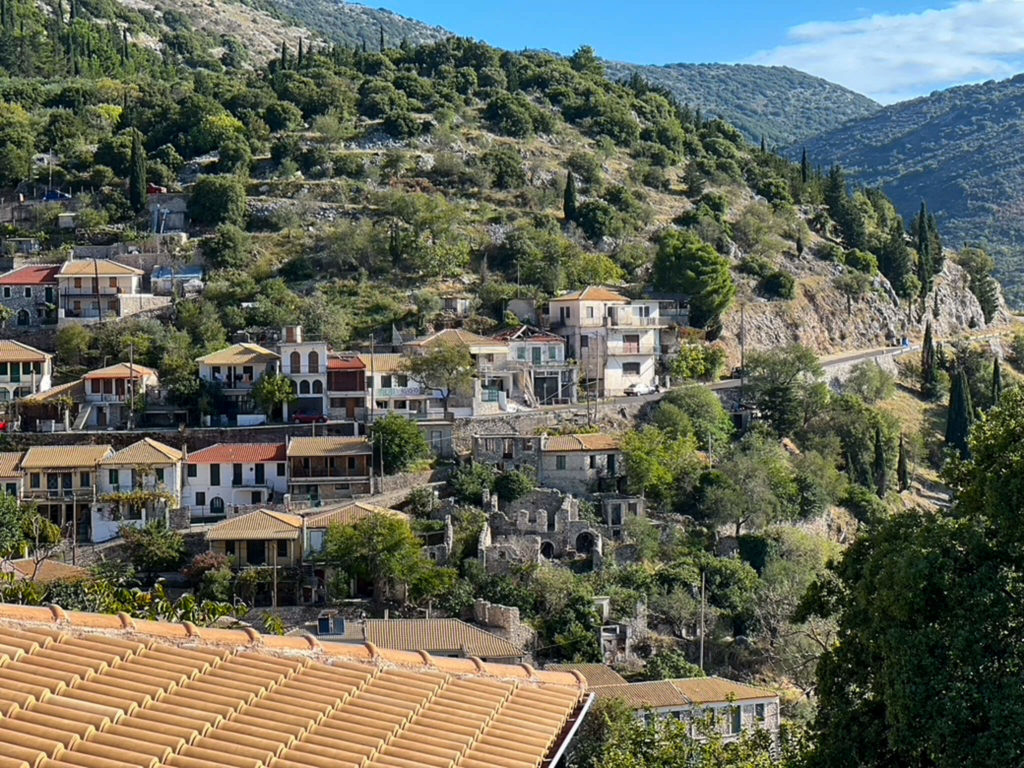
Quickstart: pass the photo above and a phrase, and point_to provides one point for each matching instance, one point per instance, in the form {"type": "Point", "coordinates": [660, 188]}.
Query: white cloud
{"type": "Point", "coordinates": [898, 56]}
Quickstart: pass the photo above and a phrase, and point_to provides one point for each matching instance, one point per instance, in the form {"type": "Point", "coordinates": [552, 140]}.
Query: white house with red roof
{"type": "Point", "coordinates": [226, 477]}
{"type": "Point", "coordinates": [31, 294]}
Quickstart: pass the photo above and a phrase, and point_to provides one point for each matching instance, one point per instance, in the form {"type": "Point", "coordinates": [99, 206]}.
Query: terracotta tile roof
{"type": "Point", "coordinates": [456, 336]}
{"type": "Point", "coordinates": [592, 293]}
{"type": "Point", "coordinates": [239, 453]}
{"type": "Point", "coordinates": [707, 690]}
{"type": "Point", "coordinates": [387, 362]}
{"type": "Point", "coordinates": [73, 389]}
{"type": "Point", "coordinates": [327, 446]}
{"type": "Point", "coordinates": [649, 695]}
{"type": "Point", "coordinates": [239, 354]}
{"type": "Point", "coordinates": [575, 443]}
{"type": "Point", "coordinates": [94, 267]}
{"type": "Point", "coordinates": [144, 451]}
{"type": "Point", "coordinates": [36, 274]}
{"type": "Point", "coordinates": [121, 371]}
{"type": "Point", "coordinates": [15, 352]}
{"type": "Point", "coordinates": [9, 461]}
{"type": "Point", "coordinates": [255, 525]}
{"type": "Point", "coordinates": [349, 513]}
{"type": "Point", "coordinates": [64, 456]}
{"type": "Point", "coordinates": [595, 674]}
{"type": "Point", "coordinates": [44, 572]}
{"type": "Point", "coordinates": [443, 636]}
{"type": "Point", "coordinates": [336, 362]}
{"type": "Point", "coordinates": [81, 689]}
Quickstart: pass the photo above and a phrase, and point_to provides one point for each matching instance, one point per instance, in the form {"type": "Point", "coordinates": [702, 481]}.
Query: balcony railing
{"type": "Point", "coordinates": [632, 349]}
{"type": "Point", "coordinates": [626, 320]}
{"type": "Point", "coordinates": [69, 494]}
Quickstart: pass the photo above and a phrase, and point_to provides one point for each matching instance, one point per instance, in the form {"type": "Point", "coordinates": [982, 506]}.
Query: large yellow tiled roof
{"type": "Point", "coordinates": [457, 336]}
{"type": "Point", "coordinates": [655, 694]}
{"type": "Point", "coordinates": [144, 452]}
{"type": "Point", "coordinates": [348, 513]}
{"type": "Point", "coordinates": [239, 354]}
{"type": "Point", "coordinates": [96, 267]}
{"type": "Point", "coordinates": [255, 525]}
{"type": "Point", "coordinates": [439, 636]}
{"type": "Point", "coordinates": [44, 457]}
{"type": "Point", "coordinates": [82, 689]}
{"type": "Point", "coordinates": [592, 293]}
{"type": "Point", "coordinates": [12, 351]}
{"type": "Point", "coordinates": [596, 674]}
{"type": "Point", "coordinates": [311, 447]}
{"type": "Point", "coordinates": [121, 371]}
{"type": "Point", "coordinates": [590, 442]}
{"type": "Point", "coordinates": [705, 690]}
{"type": "Point", "coordinates": [386, 362]}
{"type": "Point", "coordinates": [9, 461]}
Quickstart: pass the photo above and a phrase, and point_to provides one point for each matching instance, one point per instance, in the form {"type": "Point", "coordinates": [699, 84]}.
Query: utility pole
{"type": "Point", "coordinates": [743, 350]}
{"type": "Point", "coordinates": [702, 585]}
{"type": "Point", "coordinates": [131, 385]}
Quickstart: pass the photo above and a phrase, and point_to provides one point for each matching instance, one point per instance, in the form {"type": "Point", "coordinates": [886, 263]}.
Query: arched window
{"type": "Point", "coordinates": [303, 387]}
{"type": "Point", "coordinates": [216, 506]}
{"type": "Point", "coordinates": [318, 387]}
{"type": "Point", "coordinates": [295, 362]}
{"type": "Point", "coordinates": [23, 317]}
{"type": "Point", "coordinates": [314, 362]}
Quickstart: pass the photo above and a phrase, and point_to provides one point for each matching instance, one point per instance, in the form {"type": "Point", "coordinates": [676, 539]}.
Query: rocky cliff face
{"type": "Point", "coordinates": [822, 318]}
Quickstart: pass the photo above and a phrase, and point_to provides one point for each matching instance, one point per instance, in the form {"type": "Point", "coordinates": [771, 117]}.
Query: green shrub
{"type": "Point", "coordinates": [513, 485]}
{"type": "Point", "coordinates": [470, 482]}
{"type": "Point", "coordinates": [862, 261]}
{"type": "Point", "coordinates": [779, 284]}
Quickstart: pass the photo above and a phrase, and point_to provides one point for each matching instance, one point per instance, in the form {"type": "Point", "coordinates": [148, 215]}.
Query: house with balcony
{"type": "Point", "coordinates": [258, 538]}
{"type": "Point", "coordinates": [390, 389]}
{"type": "Point", "coordinates": [346, 387]}
{"type": "Point", "coordinates": [326, 468]}
{"type": "Point", "coordinates": [228, 477]}
{"type": "Point", "coordinates": [24, 371]}
{"type": "Point", "coordinates": [134, 486]}
{"type": "Point", "coordinates": [10, 473]}
{"type": "Point", "coordinates": [494, 386]}
{"type": "Point", "coordinates": [61, 481]}
{"type": "Point", "coordinates": [96, 290]}
{"type": "Point", "coordinates": [545, 377]}
{"type": "Point", "coordinates": [31, 294]}
{"type": "Point", "coordinates": [235, 369]}
{"type": "Point", "coordinates": [615, 341]}
{"type": "Point", "coordinates": [115, 395]}
{"type": "Point", "coordinates": [304, 361]}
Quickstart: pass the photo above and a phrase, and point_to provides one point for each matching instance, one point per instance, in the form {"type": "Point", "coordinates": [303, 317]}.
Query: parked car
{"type": "Point", "coordinates": [55, 196]}
{"type": "Point", "coordinates": [306, 417]}
{"type": "Point", "coordinates": [636, 390]}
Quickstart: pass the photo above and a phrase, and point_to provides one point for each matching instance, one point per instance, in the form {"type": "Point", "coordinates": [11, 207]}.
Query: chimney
{"type": "Point", "coordinates": [292, 334]}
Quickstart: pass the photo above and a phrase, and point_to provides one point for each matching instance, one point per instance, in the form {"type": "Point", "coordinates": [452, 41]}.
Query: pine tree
{"type": "Point", "coordinates": [902, 470]}
{"type": "Point", "coordinates": [805, 168]}
{"type": "Point", "coordinates": [879, 468]}
{"type": "Point", "coordinates": [895, 261]}
{"type": "Point", "coordinates": [569, 199]}
{"type": "Point", "coordinates": [929, 366]}
{"type": "Point", "coordinates": [997, 382]}
{"type": "Point", "coordinates": [960, 415]}
{"type": "Point", "coordinates": [137, 177]}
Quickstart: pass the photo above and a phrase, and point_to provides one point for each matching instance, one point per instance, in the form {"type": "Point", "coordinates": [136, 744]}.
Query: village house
{"type": "Point", "coordinates": [260, 537]}
{"type": "Point", "coordinates": [546, 377]}
{"type": "Point", "coordinates": [616, 341]}
{"type": "Point", "coordinates": [304, 361]}
{"type": "Point", "coordinates": [227, 477]}
{"type": "Point", "coordinates": [61, 481]}
{"type": "Point", "coordinates": [236, 369]}
{"type": "Point", "coordinates": [169, 281]}
{"type": "Point", "coordinates": [327, 468]}
{"type": "Point", "coordinates": [736, 708]}
{"type": "Point", "coordinates": [30, 292]}
{"type": "Point", "coordinates": [391, 390]}
{"type": "Point", "coordinates": [95, 290]}
{"type": "Point", "coordinates": [136, 485]}
{"type": "Point", "coordinates": [10, 474]}
{"type": "Point", "coordinates": [346, 387]}
{"type": "Point", "coordinates": [24, 370]}
{"type": "Point", "coordinates": [115, 395]}
{"type": "Point", "coordinates": [188, 696]}
{"type": "Point", "coordinates": [494, 383]}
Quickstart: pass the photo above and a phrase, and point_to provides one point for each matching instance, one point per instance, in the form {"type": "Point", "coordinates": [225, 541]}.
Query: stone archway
{"type": "Point", "coordinates": [547, 550]}
{"type": "Point", "coordinates": [585, 542]}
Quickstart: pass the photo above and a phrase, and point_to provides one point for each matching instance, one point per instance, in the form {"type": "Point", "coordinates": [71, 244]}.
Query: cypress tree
{"type": "Point", "coordinates": [925, 263]}
{"type": "Point", "coordinates": [902, 471]}
{"type": "Point", "coordinates": [284, 56]}
{"type": "Point", "coordinates": [997, 383]}
{"type": "Point", "coordinates": [569, 199]}
{"type": "Point", "coordinates": [764, 147]}
{"type": "Point", "coordinates": [298, 56]}
{"type": "Point", "coordinates": [879, 468]}
{"type": "Point", "coordinates": [935, 244]}
{"type": "Point", "coordinates": [894, 259]}
{"type": "Point", "coordinates": [929, 366]}
{"type": "Point", "coordinates": [382, 38]}
{"type": "Point", "coordinates": [805, 169]}
{"type": "Point", "coordinates": [137, 177]}
{"type": "Point", "coordinates": [960, 416]}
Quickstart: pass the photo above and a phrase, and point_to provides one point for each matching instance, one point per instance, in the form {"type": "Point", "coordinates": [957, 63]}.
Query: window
{"type": "Point", "coordinates": [113, 476]}
{"type": "Point", "coordinates": [7, 291]}
{"type": "Point", "coordinates": [314, 362]}
{"type": "Point", "coordinates": [631, 369]}
{"type": "Point", "coordinates": [112, 282]}
{"type": "Point", "coordinates": [318, 387]}
{"type": "Point", "coordinates": [65, 480]}
{"type": "Point", "coordinates": [85, 480]}
{"type": "Point", "coordinates": [584, 342]}
{"type": "Point", "coordinates": [593, 462]}
{"type": "Point", "coordinates": [257, 497]}
{"type": "Point", "coordinates": [552, 352]}
{"type": "Point", "coordinates": [229, 548]}
{"type": "Point", "coordinates": [28, 292]}
{"type": "Point", "coordinates": [280, 470]}
{"type": "Point", "coordinates": [247, 372]}
{"type": "Point", "coordinates": [401, 380]}
{"type": "Point", "coordinates": [11, 489]}
{"type": "Point", "coordinates": [215, 474]}
{"type": "Point", "coordinates": [559, 462]}
{"type": "Point", "coordinates": [303, 387]}
{"type": "Point", "coordinates": [590, 313]}
{"type": "Point", "coordinates": [3, 369]}
{"type": "Point", "coordinates": [316, 541]}
{"type": "Point", "coordinates": [385, 381]}
{"type": "Point", "coordinates": [192, 470]}
{"type": "Point", "coordinates": [351, 463]}
{"type": "Point", "coordinates": [78, 282]}
{"type": "Point", "coordinates": [33, 480]}
{"type": "Point", "coordinates": [759, 711]}
{"type": "Point", "coordinates": [282, 549]}
{"type": "Point", "coordinates": [160, 475]}
{"type": "Point", "coordinates": [295, 362]}
{"type": "Point", "coordinates": [521, 353]}
{"type": "Point", "coordinates": [261, 472]}
{"type": "Point", "coordinates": [736, 720]}
{"type": "Point", "coordinates": [401, 405]}
{"type": "Point", "coordinates": [236, 474]}
{"type": "Point", "coordinates": [200, 499]}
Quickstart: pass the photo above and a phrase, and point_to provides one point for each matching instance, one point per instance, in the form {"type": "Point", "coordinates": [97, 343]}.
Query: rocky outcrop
{"type": "Point", "coordinates": [822, 318]}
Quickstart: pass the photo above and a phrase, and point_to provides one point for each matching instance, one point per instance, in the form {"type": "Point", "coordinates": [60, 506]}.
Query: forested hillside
{"type": "Point", "coordinates": [780, 104]}
{"type": "Point", "coordinates": [961, 150]}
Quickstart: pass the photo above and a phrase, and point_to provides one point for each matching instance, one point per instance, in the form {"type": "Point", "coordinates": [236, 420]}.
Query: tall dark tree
{"type": "Point", "coordinates": [997, 382]}
{"type": "Point", "coordinates": [902, 468]}
{"type": "Point", "coordinates": [805, 168]}
{"type": "Point", "coordinates": [283, 63]}
{"type": "Point", "coordinates": [879, 467]}
{"type": "Point", "coordinates": [935, 244]}
{"type": "Point", "coordinates": [299, 57]}
{"type": "Point", "coordinates": [842, 210]}
{"type": "Point", "coordinates": [895, 261]}
{"type": "Point", "coordinates": [764, 145]}
{"type": "Point", "coordinates": [960, 415]}
{"type": "Point", "coordinates": [929, 365]}
{"type": "Point", "coordinates": [925, 258]}
{"type": "Point", "coordinates": [569, 198]}
{"type": "Point", "coordinates": [382, 38]}
{"type": "Point", "coordinates": [137, 175]}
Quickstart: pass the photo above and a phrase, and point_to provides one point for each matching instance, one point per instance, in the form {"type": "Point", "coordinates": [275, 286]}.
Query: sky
{"type": "Point", "coordinates": [889, 51]}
